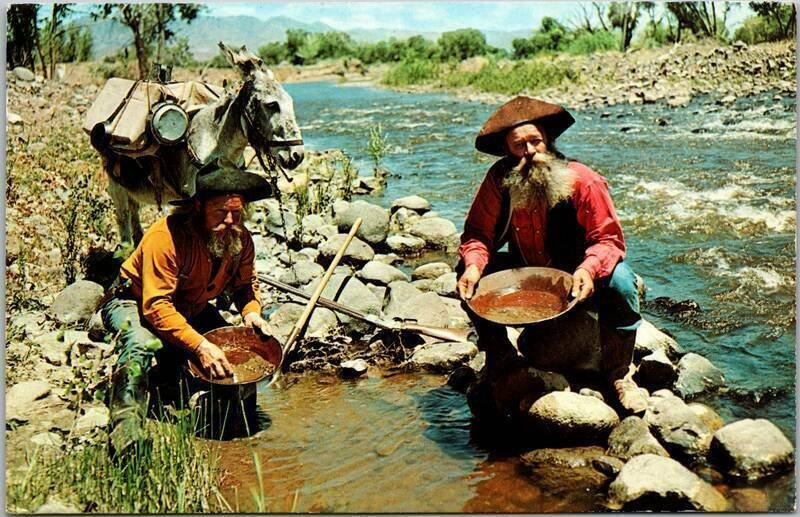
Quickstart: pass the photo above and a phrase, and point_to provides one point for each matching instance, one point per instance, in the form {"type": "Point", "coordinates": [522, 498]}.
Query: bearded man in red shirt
{"type": "Point", "coordinates": [552, 212]}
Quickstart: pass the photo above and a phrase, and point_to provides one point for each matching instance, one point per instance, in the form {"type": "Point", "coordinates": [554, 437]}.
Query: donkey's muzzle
{"type": "Point", "coordinates": [291, 158]}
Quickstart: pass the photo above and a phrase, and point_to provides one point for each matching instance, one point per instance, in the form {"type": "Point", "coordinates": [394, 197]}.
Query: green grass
{"type": "Point", "coordinates": [531, 76]}
{"type": "Point", "coordinates": [175, 474]}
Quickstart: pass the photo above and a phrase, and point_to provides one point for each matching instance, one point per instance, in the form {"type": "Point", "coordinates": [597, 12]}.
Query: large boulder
{"type": "Point", "coordinates": [273, 222]}
{"type": "Point", "coordinates": [380, 273]}
{"type": "Point", "coordinates": [458, 316]}
{"type": "Point", "coordinates": [568, 343]}
{"type": "Point", "coordinates": [77, 302]}
{"type": "Point", "coordinates": [301, 273]}
{"type": "Point", "coordinates": [415, 203]}
{"type": "Point", "coordinates": [442, 357]}
{"type": "Point", "coordinates": [696, 375]}
{"type": "Point", "coordinates": [649, 339]}
{"type": "Point", "coordinates": [752, 449]}
{"type": "Point", "coordinates": [402, 219]}
{"type": "Point", "coordinates": [649, 482]}
{"type": "Point", "coordinates": [375, 223]}
{"type": "Point", "coordinates": [406, 302]}
{"type": "Point", "coordinates": [573, 474]}
{"type": "Point", "coordinates": [353, 294]}
{"type": "Point", "coordinates": [431, 271]}
{"type": "Point", "coordinates": [405, 244]}
{"type": "Point", "coordinates": [632, 438]}
{"type": "Point", "coordinates": [437, 232]}
{"type": "Point", "coordinates": [679, 428]}
{"type": "Point", "coordinates": [708, 416]}
{"type": "Point", "coordinates": [357, 252]}
{"type": "Point", "coordinates": [569, 417]}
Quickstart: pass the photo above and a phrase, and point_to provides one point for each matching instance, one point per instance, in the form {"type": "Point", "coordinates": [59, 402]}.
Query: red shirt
{"type": "Point", "coordinates": [605, 245]}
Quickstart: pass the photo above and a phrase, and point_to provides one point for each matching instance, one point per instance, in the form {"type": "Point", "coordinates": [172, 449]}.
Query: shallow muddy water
{"type": "Point", "coordinates": [707, 204]}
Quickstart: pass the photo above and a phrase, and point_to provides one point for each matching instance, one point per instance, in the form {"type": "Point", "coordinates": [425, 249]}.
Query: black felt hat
{"type": "Point", "coordinates": [215, 180]}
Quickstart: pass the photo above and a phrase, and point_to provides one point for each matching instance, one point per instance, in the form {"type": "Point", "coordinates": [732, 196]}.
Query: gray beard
{"type": "Point", "coordinates": [225, 243]}
{"type": "Point", "coordinates": [547, 179]}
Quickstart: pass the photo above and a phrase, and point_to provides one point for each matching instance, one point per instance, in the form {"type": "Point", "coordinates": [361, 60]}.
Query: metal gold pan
{"type": "Point", "coordinates": [241, 344]}
{"type": "Point", "coordinates": [549, 280]}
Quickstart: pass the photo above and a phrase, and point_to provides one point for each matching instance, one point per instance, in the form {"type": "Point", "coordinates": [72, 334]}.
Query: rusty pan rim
{"type": "Point", "coordinates": [531, 270]}
{"type": "Point", "coordinates": [196, 372]}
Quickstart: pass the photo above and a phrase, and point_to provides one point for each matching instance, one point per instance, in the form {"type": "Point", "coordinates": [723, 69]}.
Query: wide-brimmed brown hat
{"type": "Point", "coordinates": [214, 180]}
{"type": "Point", "coordinates": [521, 110]}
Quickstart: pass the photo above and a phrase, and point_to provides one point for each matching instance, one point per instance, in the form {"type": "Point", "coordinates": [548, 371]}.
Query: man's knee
{"type": "Point", "coordinates": [618, 300]}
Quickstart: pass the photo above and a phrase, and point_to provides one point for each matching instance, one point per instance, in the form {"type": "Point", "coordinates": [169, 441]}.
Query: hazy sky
{"type": "Point", "coordinates": [422, 16]}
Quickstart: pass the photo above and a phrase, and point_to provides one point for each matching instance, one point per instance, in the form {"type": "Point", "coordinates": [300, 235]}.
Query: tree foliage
{"type": "Point", "coordinates": [462, 44]}
{"type": "Point", "coordinates": [151, 25]}
{"type": "Point", "coordinates": [21, 35]}
{"type": "Point", "coordinates": [772, 22]}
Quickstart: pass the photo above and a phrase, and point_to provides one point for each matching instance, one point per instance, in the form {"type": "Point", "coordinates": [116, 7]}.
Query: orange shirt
{"type": "Point", "coordinates": [171, 290]}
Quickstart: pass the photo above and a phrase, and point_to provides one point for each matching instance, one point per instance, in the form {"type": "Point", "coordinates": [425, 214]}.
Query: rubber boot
{"type": "Point", "coordinates": [128, 412]}
{"type": "Point", "coordinates": [617, 356]}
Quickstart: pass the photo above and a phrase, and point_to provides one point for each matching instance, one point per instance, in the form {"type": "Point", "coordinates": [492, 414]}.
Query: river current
{"type": "Point", "coordinates": [706, 197]}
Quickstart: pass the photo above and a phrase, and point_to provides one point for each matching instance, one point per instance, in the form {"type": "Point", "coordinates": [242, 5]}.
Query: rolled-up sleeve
{"type": "Point", "coordinates": [160, 271]}
{"type": "Point", "coordinates": [479, 236]}
{"type": "Point", "coordinates": [605, 245]}
{"type": "Point", "coordinates": [245, 287]}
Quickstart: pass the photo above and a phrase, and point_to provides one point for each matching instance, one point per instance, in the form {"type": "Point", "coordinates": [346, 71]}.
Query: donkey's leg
{"type": "Point", "coordinates": [122, 209]}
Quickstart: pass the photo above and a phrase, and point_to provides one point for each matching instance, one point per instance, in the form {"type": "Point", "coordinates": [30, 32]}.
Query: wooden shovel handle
{"type": "Point", "coordinates": [298, 326]}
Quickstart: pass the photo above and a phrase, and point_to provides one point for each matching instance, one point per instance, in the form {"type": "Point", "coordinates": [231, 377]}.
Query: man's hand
{"type": "Point", "coordinates": [213, 360]}
{"type": "Point", "coordinates": [254, 319]}
{"type": "Point", "coordinates": [582, 284]}
{"type": "Point", "coordinates": [466, 284]}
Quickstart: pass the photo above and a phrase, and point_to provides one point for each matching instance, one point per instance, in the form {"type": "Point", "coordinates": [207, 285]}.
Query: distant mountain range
{"type": "Point", "coordinates": [204, 33]}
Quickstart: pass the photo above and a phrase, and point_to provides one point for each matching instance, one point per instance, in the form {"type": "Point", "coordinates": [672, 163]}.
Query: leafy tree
{"type": "Point", "coordinates": [523, 47]}
{"type": "Point", "coordinates": [420, 48]}
{"type": "Point", "coordinates": [273, 53]}
{"type": "Point", "coordinates": [624, 16]}
{"type": "Point", "coordinates": [336, 44]}
{"type": "Point", "coordinates": [295, 39]}
{"type": "Point", "coordinates": [462, 44]}
{"type": "Point", "coordinates": [22, 35]}
{"type": "Point", "coordinates": [78, 44]}
{"type": "Point", "coordinates": [149, 23]}
{"type": "Point", "coordinates": [179, 53]}
{"type": "Point", "coordinates": [779, 19]}
{"type": "Point", "coordinates": [700, 18]}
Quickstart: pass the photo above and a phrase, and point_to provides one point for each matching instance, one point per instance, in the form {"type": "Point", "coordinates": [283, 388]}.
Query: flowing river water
{"type": "Point", "coordinates": [706, 196]}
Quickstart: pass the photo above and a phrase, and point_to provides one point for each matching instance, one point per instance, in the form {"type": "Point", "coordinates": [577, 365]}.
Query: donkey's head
{"type": "Point", "coordinates": [267, 111]}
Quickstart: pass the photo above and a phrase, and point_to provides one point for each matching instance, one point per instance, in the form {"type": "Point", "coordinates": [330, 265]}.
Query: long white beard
{"type": "Point", "coordinates": [545, 177]}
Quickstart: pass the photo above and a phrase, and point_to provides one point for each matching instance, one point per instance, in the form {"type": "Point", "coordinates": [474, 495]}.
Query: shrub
{"type": "Point", "coordinates": [589, 43]}
{"type": "Point", "coordinates": [413, 71]}
{"type": "Point", "coordinates": [531, 76]}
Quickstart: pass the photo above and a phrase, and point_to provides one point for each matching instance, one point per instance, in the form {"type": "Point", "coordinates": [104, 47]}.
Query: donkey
{"type": "Point", "coordinates": [260, 114]}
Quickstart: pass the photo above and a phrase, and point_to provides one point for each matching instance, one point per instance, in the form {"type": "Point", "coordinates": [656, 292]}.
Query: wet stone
{"type": "Point", "coordinates": [569, 417]}
{"type": "Point", "coordinates": [678, 428]}
{"type": "Point", "coordinates": [752, 449]}
{"type": "Point", "coordinates": [442, 357]}
{"type": "Point", "coordinates": [352, 369]}
{"type": "Point", "coordinates": [649, 339]}
{"type": "Point", "coordinates": [709, 417]}
{"type": "Point", "coordinates": [653, 483]}
{"type": "Point", "coordinates": [567, 473]}
{"type": "Point", "coordinates": [631, 438]}
{"type": "Point", "coordinates": [405, 244]}
{"type": "Point", "coordinates": [697, 375]}
{"type": "Point", "coordinates": [656, 371]}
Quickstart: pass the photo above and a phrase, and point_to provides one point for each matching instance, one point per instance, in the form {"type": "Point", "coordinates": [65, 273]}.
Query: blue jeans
{"type": "Point", "coordinates": [137, 345]}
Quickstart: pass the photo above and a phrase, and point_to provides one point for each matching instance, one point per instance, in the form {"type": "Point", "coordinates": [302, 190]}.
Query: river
{"type": "Point", "coordinates": [706, 197]}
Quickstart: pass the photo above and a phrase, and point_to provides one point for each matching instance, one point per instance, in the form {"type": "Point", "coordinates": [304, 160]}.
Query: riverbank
{"type": "Point", "coordinates": [671, 74]}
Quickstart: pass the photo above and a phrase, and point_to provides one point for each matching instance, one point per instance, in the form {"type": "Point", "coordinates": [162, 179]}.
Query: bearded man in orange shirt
{"type": "Point", "coordinates": [160, 305]}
